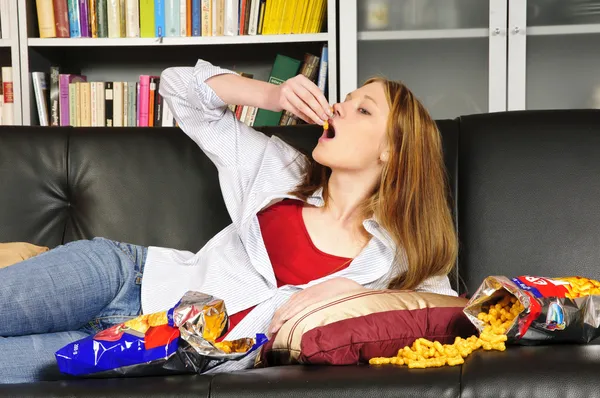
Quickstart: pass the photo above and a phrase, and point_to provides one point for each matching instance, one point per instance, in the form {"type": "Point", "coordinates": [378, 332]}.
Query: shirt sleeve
{"type": "Point", "coordinates": [437, 284]}
{"type": "Point", "coordinates": [235, 148]}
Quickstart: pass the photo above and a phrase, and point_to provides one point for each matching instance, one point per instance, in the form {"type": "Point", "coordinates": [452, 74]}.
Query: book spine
{"type": "Point", "coordinates": [94, 104]}
{"type": "Point", "coordinates": [133, 18]}
{"type": "Point", "coordinates": [93, 15]}
{"type": "Point", "coordinates": [114, 18]}
{"type": "Point", "coordinates": [172, 18]}
{"type": "Point", "coordinates": [118, 104]}
{"type": "Point", "coordinates": [125, 104]}
{"type": "Point", "coordinates": [231, 18]}
{"type": "Point", "coordinates": [100, 104]}
{"type": "Point", "coordinates": [108, 103]}
{"type": "Point", "coordinates": [83, 18]}
{"type": "Point", "coordinates": [61, 18]}
{"type": "Point", "coordinates": [8, 96]}
{"type": "Point", "coordinates": [45, 13]}
{"type": "Point", "coordinates": [159, 18]}
{"type": "Point", "coordinates": [323, 68]}
{"type": "Point", "coordinates": [63, 86]}
{"type": "Point", "coordinates": [73, 104]}
{"type": "Point", "coordinates": [85, 104]}
{"type": "Point", "coordinates": [183, 18]}
{"type": "Point", "coordinates": [132, 104]}
{"type": "Point", "coordinates": [206, 18]}
{"type": "Point", "coordinates": [147, 18]}
{"type": "Point", "coordinates": [74, 18]}
{"type": "Point", "coordinates": [40, 89]}
{"type": "Point", "coordinates": [144, 99]}
{"type": "Point", "coordinates": [197, 25]}
{"type": "Point", "coordinates": [253, 22]}
{"type": "Point", "coordinates": [102, 17]}
{"type": "Point", "coordinates": [54, 96]}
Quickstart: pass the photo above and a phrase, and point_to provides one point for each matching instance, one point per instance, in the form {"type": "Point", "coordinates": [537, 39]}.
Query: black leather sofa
{"type": "Point", "coordinates": [527, 190]}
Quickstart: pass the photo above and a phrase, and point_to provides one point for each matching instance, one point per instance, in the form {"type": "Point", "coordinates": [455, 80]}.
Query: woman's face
{"type": "Point", "coordinates": [356, 140]}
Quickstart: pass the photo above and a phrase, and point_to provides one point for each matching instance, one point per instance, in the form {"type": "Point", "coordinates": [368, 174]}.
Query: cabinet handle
{"type": "Point", "coordinates": [516, 30]}
{"type": "Point", "coordinates": [498, 32]}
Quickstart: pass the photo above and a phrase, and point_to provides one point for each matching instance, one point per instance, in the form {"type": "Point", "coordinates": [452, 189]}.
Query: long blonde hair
{"type": "Point", "coordinates": [412, 200]}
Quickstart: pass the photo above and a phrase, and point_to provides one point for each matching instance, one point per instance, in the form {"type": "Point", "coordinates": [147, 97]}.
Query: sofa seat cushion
{"type": "Point", "coordinates": [187, 386]}
{"type": "Point", "coordinates": [565, 370]}
{"type": "Point", "coordinates": [319, 381]}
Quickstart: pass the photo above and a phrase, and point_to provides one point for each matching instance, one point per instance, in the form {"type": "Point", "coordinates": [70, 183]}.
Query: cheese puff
{"type": "Point", "coordinates": [396, 361]}
{"type": "Point", "coordinates": [379, 361]}
{"type": "Point", "coordinates": [455, 361]}
{"type": "Point", "coordinates": [417, 364]}
{"type": "Point", "coordinates": [158, 319]}
{"type": "Point", "coordinates": [439, 347]}
{"type": "Point", "coordinates": [499, 346]}
{"type": "Point", "coordinates": [425, 342]}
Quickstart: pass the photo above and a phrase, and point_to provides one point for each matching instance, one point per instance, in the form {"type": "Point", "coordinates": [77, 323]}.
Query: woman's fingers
{"type": "Point", "coordinates": [304, 97]}
{"type": "Point", "coordinates": [301, 106]}
{"type": "Point", "coordinates": [297, 112]}
{"type": "Point", "coordinates": [317, 95]}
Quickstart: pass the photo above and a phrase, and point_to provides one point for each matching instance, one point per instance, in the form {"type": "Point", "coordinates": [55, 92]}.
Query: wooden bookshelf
{"type": "Point", "coordinates": [124, 59]}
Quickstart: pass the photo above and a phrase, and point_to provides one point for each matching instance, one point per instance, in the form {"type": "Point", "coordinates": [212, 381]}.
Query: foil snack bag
{"type": "Point", "coordinates": [565, 309]}
{"type": "Point", "coordinates": [180, 340]}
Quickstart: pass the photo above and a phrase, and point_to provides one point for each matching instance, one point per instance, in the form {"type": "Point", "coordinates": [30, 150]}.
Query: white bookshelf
{"type": "Point", "coordinates": [9, 53]}
{"type": "Point", "coordinates": [124, 59]}
{"type": "Point", "coordinates": [178, 41]}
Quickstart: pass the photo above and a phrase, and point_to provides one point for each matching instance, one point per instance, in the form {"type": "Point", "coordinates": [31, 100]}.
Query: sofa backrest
{"type": "Point", "coordinates": [526, 184]}
{"type": "Point", "coordinates": [529, 194]}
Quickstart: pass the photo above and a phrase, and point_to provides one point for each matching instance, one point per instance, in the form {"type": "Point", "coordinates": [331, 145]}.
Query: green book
{"type": "Point", "coordinates": [147, 18]}
{"type": "Point", "coordinates": [283, 68]}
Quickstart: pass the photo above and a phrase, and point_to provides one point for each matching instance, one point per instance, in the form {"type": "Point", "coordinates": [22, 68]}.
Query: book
{"type": "Point", "coordinates": [45, 14]}
{"type": "Point", "coordinates": [8, 102]}
{"type": "Point", "coordinates": [283, 68]}
{"type": "Point", "coordinates": [64, 106]}
{"type": "Point", "coordinates": [40, 88]}
{"type": "Point", "coordinates": [54, 96]}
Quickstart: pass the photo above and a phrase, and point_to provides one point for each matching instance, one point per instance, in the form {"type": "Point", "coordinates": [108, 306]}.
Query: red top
{"type": "Point", "coordinates": [295, 258]}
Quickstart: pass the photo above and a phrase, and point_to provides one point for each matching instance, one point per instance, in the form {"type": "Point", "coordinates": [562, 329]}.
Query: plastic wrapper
{"type": "Point", "coordinates": [180, 340]}
{"type": "Point", "coordinates": [565, 309]}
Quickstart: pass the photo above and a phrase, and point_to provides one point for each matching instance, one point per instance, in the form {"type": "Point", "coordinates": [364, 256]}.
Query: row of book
{"type": "Point", "coordinates": [72, 100]}
{"type": "Point", "coordinates": [178, 18]}
{"type": "Point", "coordinates": [65, 99]}
{"type": "Point", "coordinates": [7, 99]}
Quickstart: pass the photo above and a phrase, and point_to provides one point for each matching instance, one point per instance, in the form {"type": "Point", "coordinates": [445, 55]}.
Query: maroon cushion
{"type": "Point", "coordinates": [354, 328]}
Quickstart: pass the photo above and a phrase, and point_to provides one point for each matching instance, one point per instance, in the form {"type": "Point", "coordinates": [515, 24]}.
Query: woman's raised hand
{"type": "Point", "coordinates": [303, 98]}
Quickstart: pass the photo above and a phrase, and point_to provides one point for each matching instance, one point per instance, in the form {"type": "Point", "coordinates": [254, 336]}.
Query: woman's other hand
{"type": "Point", "coordinates": [303, 98]}
{"type": "Point", "coordinates": [309, 296]}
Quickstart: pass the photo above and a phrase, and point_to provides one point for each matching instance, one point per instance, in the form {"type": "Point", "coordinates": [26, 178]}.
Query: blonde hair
{"type": "Point", "coordinates": [411, 201]}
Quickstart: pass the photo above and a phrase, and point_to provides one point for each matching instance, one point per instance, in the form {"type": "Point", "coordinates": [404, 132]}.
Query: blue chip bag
{"type": "Point", "coordinates": [180, 340]}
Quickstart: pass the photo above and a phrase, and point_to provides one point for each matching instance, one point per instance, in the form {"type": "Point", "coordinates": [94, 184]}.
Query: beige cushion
{"type": "Point", "coordinates": [355, 327]}
{"type": "Point", "coordinates": [14, 252]}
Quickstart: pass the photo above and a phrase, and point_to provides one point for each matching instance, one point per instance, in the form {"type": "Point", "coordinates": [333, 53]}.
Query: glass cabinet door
{"type": "Point", "coordinates": [554, 57]}
{"type": "Point", "coordinates": [450, 53]}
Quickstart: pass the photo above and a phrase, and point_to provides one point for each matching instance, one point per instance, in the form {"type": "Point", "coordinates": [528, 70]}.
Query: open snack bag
{"type": "Point", "coordinates": [521, 310]}
{"type": "Point", "coordinates": [180, 340]}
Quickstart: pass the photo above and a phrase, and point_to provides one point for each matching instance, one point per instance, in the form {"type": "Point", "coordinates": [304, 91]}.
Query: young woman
{"type": "Point", "coordinates": [369, 211]}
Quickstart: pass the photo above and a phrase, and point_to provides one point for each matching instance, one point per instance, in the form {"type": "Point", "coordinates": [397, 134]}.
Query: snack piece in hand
{"type": "Point", "coordinates": [326, 125]}
{"type": "Point", "coordinates": [426, 354]}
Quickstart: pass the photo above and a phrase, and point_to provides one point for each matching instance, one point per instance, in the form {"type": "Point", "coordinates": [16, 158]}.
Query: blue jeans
{"type": "Point", "coordinates": [63, 295]}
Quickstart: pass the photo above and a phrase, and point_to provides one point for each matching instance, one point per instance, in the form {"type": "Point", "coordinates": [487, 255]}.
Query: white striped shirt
{"type": "Point", "coordinates": [255, 171]}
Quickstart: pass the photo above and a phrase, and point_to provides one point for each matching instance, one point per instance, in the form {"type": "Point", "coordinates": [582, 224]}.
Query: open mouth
{"type": "Point", "coordinates": [329, 131]}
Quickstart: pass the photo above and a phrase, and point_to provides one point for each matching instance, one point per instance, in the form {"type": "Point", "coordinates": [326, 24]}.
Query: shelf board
{"type": "Point", "coordinates": [4, 43]}
{"type": "Point", "coordinates": [423, 34]}
{"type": "Point", "coordinates": [563, 29]}
{"type": "Point", "coordinates": [175, 41]}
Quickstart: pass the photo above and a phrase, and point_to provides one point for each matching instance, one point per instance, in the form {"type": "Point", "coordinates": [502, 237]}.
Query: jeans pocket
{"type": "Point", "coordinates": [102, 323]}
{"type": "Point", "coordinates": [136, 254]}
